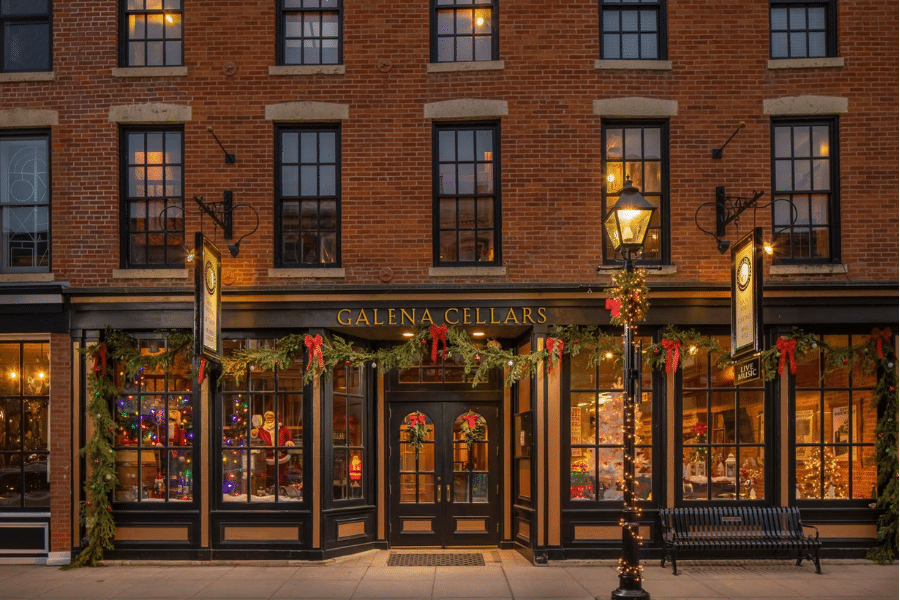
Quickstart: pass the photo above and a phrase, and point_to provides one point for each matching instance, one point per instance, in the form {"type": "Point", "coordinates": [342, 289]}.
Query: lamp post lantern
{"type": "Point", "coordinates": [626, 226]}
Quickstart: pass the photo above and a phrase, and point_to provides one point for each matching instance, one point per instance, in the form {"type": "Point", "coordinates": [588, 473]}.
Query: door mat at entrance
{"type": "Point", "coordinates": [420, 559]}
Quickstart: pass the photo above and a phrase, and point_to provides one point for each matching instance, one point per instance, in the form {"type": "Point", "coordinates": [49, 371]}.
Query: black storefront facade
{"type": "Point", "coordinates": [344, 478]}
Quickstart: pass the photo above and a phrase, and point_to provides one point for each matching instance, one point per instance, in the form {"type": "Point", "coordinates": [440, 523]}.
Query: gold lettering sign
{"type": "Point", "coordinates": [462, 315]}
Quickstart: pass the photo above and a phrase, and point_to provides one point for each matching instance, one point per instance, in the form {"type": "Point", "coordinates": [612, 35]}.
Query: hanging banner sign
{"type": "Point", "coordinates": [747, 370]}
{"type": "Point", "coordinates": [207, 300]}
{"type": "Point", "coordinates": [747, 295]}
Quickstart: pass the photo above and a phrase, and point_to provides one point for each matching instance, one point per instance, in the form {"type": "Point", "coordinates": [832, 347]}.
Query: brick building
{"type": "Point", "coordinates": [388, 159]}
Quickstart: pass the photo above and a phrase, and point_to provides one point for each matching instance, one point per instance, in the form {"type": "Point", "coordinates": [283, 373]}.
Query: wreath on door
{"type": "Point", "coordinates": [474, 429]}
{"type": "Point", "coordinates": [416, 430]}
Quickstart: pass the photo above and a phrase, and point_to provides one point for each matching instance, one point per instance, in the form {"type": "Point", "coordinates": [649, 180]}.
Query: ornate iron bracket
{"type": "Point", "coordinates": [220, 212]}
{"type": "Point", "coordinates": [729, 208]}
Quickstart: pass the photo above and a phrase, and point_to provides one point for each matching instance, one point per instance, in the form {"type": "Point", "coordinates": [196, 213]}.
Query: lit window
{"type": "Point", "coordinates": [154, 34]}
{"type": "Point", "coordinates": [464, 31]}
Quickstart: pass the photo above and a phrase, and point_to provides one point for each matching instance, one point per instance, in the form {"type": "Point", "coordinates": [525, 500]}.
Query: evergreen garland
{"type": "Point", "coordinates": [886, 548]}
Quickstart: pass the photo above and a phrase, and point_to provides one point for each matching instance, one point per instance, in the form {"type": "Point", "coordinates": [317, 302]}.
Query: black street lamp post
{"type": "Point", "coordinates": [626, 226]}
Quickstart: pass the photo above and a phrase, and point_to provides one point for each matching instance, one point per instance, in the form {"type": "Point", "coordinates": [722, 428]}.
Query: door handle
{"type": "Point", "coordinates": [440, 493]}
{"type": "Point", "coordinates": [448, 493]}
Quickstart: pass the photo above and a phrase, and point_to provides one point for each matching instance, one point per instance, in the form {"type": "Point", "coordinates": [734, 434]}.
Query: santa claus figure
{"type": "Point", "coordinates": [266, 434]}
{"type": "Point", "coordinates": [176, 428]}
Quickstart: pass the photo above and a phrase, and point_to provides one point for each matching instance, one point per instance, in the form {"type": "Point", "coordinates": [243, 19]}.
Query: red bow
{"type": "Point", "coordinates": [438, 334]}
{"type": "Point", "coordinates": [414, 418]}
{"type": "Point", "coordinates": [100, 355]}
{"type": "Point", "coordinates": [202, 369]}
{"type": "Point", "coordinates": [880, 337]}
{"type": "Point", "coordinates": [315, 350]}
{"type": "Point", "coordinates": [471, 420]}
{"type": "Point", "coordinates": [614, 305]}
{"type": "Point", "coordinates": [673, 353]}
{"type": "Point", "coordinates": [786, 347]}
{"type": "Point", "coordinates": [553, 344]}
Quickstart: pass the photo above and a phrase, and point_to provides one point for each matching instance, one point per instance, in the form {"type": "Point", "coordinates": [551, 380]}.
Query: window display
{"type": "Point", "coordinates": [722, 431]}
{"type": "Point", "coordinates": [596, 432]}
{"type": "Point", "coordinates": [154, 434]}
{"type": "Point", "coordinates": [24, 425]}
{"type": "Point", "coordinates": [262, 432]}
{"type": "Point", "coordinates": [347, 433]}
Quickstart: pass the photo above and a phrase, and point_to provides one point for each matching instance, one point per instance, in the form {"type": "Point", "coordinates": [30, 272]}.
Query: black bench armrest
{"type": "Point", "coordinates": [812, 527]}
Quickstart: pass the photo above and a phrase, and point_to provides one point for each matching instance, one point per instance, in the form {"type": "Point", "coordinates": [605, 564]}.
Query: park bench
{"type": "Point", "coordinates": [736, 531]}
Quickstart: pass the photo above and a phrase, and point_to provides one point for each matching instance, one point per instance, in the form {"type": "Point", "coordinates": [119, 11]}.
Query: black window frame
{"type": "Point", "coordinates": [35, 457]}
{"type": "Point", "coordinates": [4, 267]}
{"type": "Point", "coordinates": [173, 211]}
{"type": "Point", "coordinates": [125, 40]}
{"type": "Point", "coordinates": [766, 468]}
{"type": "Point", "coordinates": [619, 6]}
{"type": "Point", "coordinates": [172, 396]}
{"type": "Point", "coordinates": [857, 392]}
{"type": "Point", "coordinates": [285, 11]}
{"type": "Point", "coordinates": [251, 384]}
{"type": "Point", "coordinates": [610, 188]}
{"type": "Point", "coordinates": [495, 194]}
{"type": "Point", "coordinates": [281, 199]}
{"type": "Point", "coordinates": [437, 6]}
{"type": "Point", "coordinates": [779, 206]}
{"type": "Point", "coordinates": [24, 19]}
{"type": "Point", "coordinates": [829, 30]}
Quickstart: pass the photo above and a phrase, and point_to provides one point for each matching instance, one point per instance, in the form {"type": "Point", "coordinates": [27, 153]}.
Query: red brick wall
{"type": "Point", "coordinates": [60, 443]}
{"type": "Point", "coordinates": [549, 142]}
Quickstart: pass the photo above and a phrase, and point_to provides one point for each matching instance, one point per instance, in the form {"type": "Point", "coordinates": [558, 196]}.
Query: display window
{"type": "Point", "coordinates": [834, 426]}
{"type": "Point", "coordinates": [348, 415]}
{"type": "Point", "coordinates": [596, 429]}
{"type": "Point", "coordinates": [262, 431]}
{"type": "Point", "coordinates": [24, 425]}
{"type": "Point", "coordinates": [154, 431]}
{"type": "Point", "coordinates": [722, 430]}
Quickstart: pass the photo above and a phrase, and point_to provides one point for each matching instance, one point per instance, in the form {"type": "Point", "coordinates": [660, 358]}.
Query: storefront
{"type": "Point", "coordinates": [271, 461]}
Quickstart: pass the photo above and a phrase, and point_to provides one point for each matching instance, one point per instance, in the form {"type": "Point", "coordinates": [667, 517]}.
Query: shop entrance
{"type": "Point", "coordinates": [444, 472]}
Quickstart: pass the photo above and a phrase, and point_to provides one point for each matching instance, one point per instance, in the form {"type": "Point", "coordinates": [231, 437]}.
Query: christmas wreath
{"type": "Point", "coordinates": [416, 430]}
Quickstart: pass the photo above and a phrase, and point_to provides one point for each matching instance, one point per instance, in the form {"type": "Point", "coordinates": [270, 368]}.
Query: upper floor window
{"type": "Point", "coordinates": [310, 32]}
{"type": "Point", "coordinates": [639, 151]}
{"type": "Point", "coordinates": [154, 36]}
{"type": "Point", "coordinates": [802, 29]}
{"type": "Point", "coordinates": [25, 35]}
{"type": "Point", "coordinates": [632, 29]}
{"type": "Point", "coordinates": [25, 203]}
{"type": "Point", "coordinates": [464, 30]}
{"type": "Point", "coordinates": [804, 171]}
{"type": "Point", "coordinates": [308, 198]}
{"type": "Point", "coordinates": [467, 194]}
{"type": "Point", "coordinates": [24, 424]}
{"type": "Point", "coordinates": [153, 198]}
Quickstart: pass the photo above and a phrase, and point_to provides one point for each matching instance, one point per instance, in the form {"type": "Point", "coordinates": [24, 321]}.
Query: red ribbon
{"type": "Point", "coordinates": [438, 334]}
{"type": "Point", "coordinates": [553, 344]}
{"type": "Point", "coordinates": [673, 353]}
{"type": "Point", "coordinates": [471, 420]}
{"type": "Point", "coordinates": [614, 305]}
{"type": "Point", "coordinates": [786, 347]}
{"type": "Point", "coordinates": [100, 355]}
{"type": "Point", "coordinates": [880, 337]}
{"type": "Point", "coordinates": [200, 374]}
{"type": "Point", "coordinates": [315, 350]}
{"type": "Point", "coordinates": [413, 419]}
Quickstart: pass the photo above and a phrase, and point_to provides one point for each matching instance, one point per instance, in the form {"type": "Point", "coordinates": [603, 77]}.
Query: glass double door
{"type": "Point", "coordinates": [444, 474]}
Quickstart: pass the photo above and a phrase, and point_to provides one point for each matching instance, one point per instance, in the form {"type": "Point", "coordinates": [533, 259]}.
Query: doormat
{"type": "Point", "coordinates": [420, 559]}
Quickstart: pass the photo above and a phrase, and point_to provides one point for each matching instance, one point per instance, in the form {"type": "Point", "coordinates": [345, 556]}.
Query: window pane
{"type": "Point", "coordinates": [611, 46]}
{"type": "Point", "coordinates": [26, 47]}
{"type": "Point", "coordinates": [779, 45]}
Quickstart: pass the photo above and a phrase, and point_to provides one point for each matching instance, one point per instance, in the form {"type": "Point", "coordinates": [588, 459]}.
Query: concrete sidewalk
{"type": "Point", "coordinates": [505, 575]}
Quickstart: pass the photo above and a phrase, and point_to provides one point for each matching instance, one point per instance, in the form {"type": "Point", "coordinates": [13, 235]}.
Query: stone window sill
{"type": "Point", "coordinates": [787, 270]}
{"type": "Point", "coordinates": [467, 272]}
{"type": "Point", "coordinates": [307, 70]}
{"type": "Point", "coordinates": [152, 273]}
{"type": "Point", "coordinates": [633, 65]}
{"type": "Point", "coordinates": [31, 76]}
{"type": "Point", "coordinates": [26, 277]}
{"type": "Point", "coordinates": [150, 72]}
{"type": "Point", "coordinates": [463, 67]}
{"type": "Point", "coordinates": [308, 273]}
{"type": "Point", "coordinates": [805, 63]}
